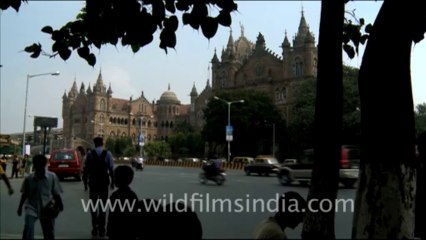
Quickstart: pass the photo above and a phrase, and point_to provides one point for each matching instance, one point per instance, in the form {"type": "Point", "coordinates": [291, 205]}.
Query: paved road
{"type": "Point", "coordinates": [241, 205]}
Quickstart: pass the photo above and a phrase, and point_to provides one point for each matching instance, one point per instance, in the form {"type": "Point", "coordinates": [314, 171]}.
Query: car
{"type": "Point", "coordinates": [262, 165]}
{"type": "Point", "coordinates": [243, 160]}
{"type": "Point", "coordinates": [301, 171]}
{"type": "Point", "coordinates": [66, 163]}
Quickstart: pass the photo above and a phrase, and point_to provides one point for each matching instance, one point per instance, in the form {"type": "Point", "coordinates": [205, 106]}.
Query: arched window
{"type": "Point", "coordinates": [171, 124]}
{"type": "Point", "coordinates": [149, 123]}
{"type": "Point", "coordinates": [133, 121]}
{"type": "Point", "coordinates": [299, 67]}
{"type": "Point", "coordinates": [123, 134]}
{"type": "Point", "coordinates": [111, 119]}
{"type": "Point", "coordinates": [284, 94]}
{"type": "Point", "coordinates": [277, 94]}
{"type": "Point", "coordinates": [112, 133]}
{"type": "Point", "coordinates": [101, 118]}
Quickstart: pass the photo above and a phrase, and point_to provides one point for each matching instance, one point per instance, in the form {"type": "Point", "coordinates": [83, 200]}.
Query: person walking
{"type": "Point", "coordinates": [290, 213]}
{"type": "Point", "coordinates": [98, 173]}
{"type": "Point", "coordinates": [23, 165]}
{"type": "Point", "coordinates": [3, 162]}
{"type": "Point", "coordinates": [15, 166]}
{"type": "Point", "coordinates": [6, 180]}
{"type": "Point", "coordinates": [40, 190]}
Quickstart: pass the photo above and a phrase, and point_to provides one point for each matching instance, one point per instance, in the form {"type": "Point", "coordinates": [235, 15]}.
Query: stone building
{"type": "Point", "coordinates": [252, 66]}
{"type": "Point", "coordinates": [89, 112]}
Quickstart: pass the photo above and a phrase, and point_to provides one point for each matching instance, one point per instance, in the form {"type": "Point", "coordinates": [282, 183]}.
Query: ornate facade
{"type": "Point", "coordinates": [243, 65]}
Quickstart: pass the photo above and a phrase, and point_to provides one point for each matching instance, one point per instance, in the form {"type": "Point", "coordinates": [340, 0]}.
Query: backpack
{"type": "Point", "coordinates": [98, 173]}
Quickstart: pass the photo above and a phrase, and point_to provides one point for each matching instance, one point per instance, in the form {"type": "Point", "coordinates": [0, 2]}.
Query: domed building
{"type": "Point", "coordinates": [243, 65]}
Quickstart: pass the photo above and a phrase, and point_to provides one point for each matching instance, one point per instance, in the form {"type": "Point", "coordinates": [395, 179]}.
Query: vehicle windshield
{"type": "Point", "coordinates": [63, 156]}
{"type": "Point", "coordinates": [272, 161]}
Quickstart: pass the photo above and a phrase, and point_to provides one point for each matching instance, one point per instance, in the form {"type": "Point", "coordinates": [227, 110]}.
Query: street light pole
{"type": "Point", "coordinates": [229, 120]}
{"type": "Point", "coordinates": [25, 106]}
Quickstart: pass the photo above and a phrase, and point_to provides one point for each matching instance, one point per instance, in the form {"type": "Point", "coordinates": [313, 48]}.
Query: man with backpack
{"type": "Point", "coordinates": [98, 173]}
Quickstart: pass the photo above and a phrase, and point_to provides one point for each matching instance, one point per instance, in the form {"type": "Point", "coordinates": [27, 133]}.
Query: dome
{"type": "Point", "coordinates": [169, 96]}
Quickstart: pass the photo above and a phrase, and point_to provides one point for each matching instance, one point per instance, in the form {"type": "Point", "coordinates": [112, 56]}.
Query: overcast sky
{"type": "Point", "coordinates": [151, 69]}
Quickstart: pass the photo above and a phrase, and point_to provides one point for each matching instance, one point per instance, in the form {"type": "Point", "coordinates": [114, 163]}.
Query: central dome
{"type": "Point", "coordinates": [169, 96]}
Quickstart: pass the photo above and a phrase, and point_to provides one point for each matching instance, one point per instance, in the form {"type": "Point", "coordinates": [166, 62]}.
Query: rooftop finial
{"type": "Point", "coordinates": [242, 29]}
{"type": "Point", "coordinates": [168, 87]}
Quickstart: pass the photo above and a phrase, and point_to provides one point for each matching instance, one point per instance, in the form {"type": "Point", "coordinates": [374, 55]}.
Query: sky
{"type": "Point", "coordinates": [150, 70]}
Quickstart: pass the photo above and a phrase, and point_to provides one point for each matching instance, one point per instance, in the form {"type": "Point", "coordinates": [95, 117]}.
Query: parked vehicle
{"type": "Point", "coordinates": [301, 171]}
{"type": "Point", "coordinates": [262, 165]}
{"type": "Point", "coordinates": [65, 163]}
{"type": "Point", "coordinates": [243, 160]}
{"type": "Point", "coordinates": [137, 163]}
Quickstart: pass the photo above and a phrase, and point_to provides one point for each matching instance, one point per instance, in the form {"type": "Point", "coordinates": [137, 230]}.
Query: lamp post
{"type": "Point", "coordinates": [273, 137]}
{"type": "Point", "coordinates": [229, 121]}
{"type": "Point", "coordinates": [26, 100]}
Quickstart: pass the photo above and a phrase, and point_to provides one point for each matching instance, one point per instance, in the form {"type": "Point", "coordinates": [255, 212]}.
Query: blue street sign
{"type": "Point", "coordinates": [229, 130]}
{"type": "Point", "coordinates": [141, 139]}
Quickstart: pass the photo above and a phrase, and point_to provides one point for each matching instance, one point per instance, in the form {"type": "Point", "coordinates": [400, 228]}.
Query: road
{"type": "Point", "coordinates": [229, 211]}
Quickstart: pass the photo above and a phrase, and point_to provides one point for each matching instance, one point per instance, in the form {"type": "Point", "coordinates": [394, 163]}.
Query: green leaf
{"type": "Point", "coordinates": [135, 48]}
{"type": "Point", "coordinates": [224, 18]}
{"type": "Point", "coordinates": [65, 53]}
{"type": "Point", "coordinates": [83, 52]}
{"type": "Point", "coordinates": [47, 29]}
{"type": "Point", "coordinates": [91, 59]}
{"type": "Point", "coordinates": [209, 27]}
{"type": "Point", "coordinates": [171, 23]}
{"type": "Point", "coordinates": [170, 6]}
{"type": "Point", "coordinates": [349, 50]}
{"type": "Point", "coordinates": [369, 28]}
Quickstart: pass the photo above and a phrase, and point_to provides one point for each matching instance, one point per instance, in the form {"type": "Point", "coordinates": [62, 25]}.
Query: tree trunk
{"type": "Point", "coordinates": [385, 198]}
{"type": "Point", "coordinates": [328, 122]}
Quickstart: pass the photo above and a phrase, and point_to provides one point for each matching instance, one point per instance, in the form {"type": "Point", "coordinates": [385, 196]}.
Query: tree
{"type": "Point", "coordinates": [328, 121]}
{"type": "Point", "coordinates": [301, 128]}
{"type": "Point", "coordinates": [157, 149]}
{"type": "Point", "coordinates": [185, 141]}
{"type": "Point", "coordinates": [132, 22]}
{"type": "Point", "coordinates": [251, 122]}
{"type": "Point", "coordinates": [385, 197]}
{"type": "Point", "coordinates": [420, 118]}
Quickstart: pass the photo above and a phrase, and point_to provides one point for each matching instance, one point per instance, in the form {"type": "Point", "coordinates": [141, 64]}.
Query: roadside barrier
{"type": "Point", "coordinates": [233, 166]}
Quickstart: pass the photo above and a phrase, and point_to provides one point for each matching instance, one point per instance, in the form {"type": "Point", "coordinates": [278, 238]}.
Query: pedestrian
{"type": "Point", "coordinates": [40, 190]}
{"type": "Point", "coordinates": [98, 173]}
{"type": "Point", "coordinates": [3, 162]}
{"type": "Point", "coordinates": [6, 180]}
{"type": "Point", "coordinates": [82, 156]}
{"type": "Point", "coordinates": [29, 165]}
{"type": "Point", "coordinates": [15, 166]}
{"type": "Point", "coordinates": [23, 165]}
{"type": "Point", "coordinates": [289, 214]}
{"type": "Point", "coordinates": [122, 223]}
{"type": "Point", "coordinates": [420, 211]}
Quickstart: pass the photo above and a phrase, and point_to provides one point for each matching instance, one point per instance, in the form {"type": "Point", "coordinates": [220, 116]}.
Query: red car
{"type": "Point", "coordinates": [66, 163]}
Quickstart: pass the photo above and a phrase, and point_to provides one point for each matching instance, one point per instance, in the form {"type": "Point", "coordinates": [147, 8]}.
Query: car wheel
{"type": "Point", "coordinates": [219, 180]}
{"type": "Point", "coordinates": [304, 183]}
{"type": "Point", "coordinates": [247, 172]}
{"type": "Point", "coordinates": [285, 179]}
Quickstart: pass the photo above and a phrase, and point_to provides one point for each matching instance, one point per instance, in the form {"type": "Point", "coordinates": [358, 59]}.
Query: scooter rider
{"type": "Point", "coordinates": [213, 168]}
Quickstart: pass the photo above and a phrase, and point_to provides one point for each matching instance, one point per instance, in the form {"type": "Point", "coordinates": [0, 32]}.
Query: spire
{"type": "Point", "coordinates": [109, 90]}
{"type": "Point", "coordinates": [215, 59]}
{"type": "Point", "coordinates": [208, 83]}
{"type": "Point", "coordinates": [286, 43]}
{"type": "Point", "coordinates": [73, 92]}
{"type": "Point", "coordinates": [89, 89]}
{"type": "Point", "coordinates": [242, 29]}
{"type": "Point", "coordinates": [64, 97]}
{"type": "Point", "coordinates": [230, 41]}
{"type": "Point", "coordinates": [168, 88]}
{"type": "Point", "coordinates": [260, 42]}
{"type": "Point", "coordinates": [82, 88]}
{"type": "Point", "coordinates": [99, 85]}
{"type": "Point", "coordinates": [303, 26]}
{"type": "Point", "coordinates": [194, 92]}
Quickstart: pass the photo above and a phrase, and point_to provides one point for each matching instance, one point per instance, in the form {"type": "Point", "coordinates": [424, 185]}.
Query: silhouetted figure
{"type": "Point", "coordinates": [420, 211]}
{"type": "Point", "coordinates": [122, 223]}
{"type": "Point", "coordinates": [3, 162]}
{"type": "Point", "coordinates": [38, 190]}
{"type": "Point", "coordinates": [15, 166]}
{"type": "Point", "coordinates": [181, 221]}
{"type": "Point", "coordinates": [98, 173]}
{"type": "Point", "coordinates": [289, 214]}
{"type": "Point", "coordinates": [151, 216]}
{"type": "Point", "coordinates": [6, 180]}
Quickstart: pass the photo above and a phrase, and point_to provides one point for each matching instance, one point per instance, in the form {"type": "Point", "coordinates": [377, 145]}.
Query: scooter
{"type": "Point", "coordinates": [137, 163]}
{"type": "Point", "coordinates": [219, 178]}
